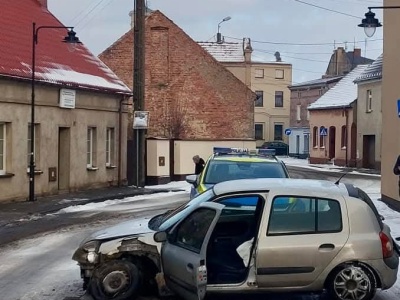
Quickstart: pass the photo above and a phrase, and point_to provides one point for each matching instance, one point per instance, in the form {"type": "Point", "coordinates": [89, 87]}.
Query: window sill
{"type": "Point", "coordinates": [368, 111]}
{"type": "Point", "coordinates": [344, 148]}
{"type": "Point", "coordinates": [92, 168]}
{"type": "Point", "coordinates": [111, 167]}
{"type": "Point", "coordinates": [7, 175]}
{"type": "Point", "coordinates": [37, 172]}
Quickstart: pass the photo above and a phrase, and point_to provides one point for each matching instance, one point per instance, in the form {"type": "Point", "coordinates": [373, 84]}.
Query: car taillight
{"type": "Point", "coordinates": [387, 247]}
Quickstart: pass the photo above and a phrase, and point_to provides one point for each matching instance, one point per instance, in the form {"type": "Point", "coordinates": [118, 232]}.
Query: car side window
{"type": "Point", "coordinates": [190, 234]}
{"type": "Point", "coordinates": [299, 215]}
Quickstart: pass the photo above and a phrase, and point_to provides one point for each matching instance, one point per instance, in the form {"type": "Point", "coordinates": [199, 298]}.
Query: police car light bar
{"type": "Point", "coordinates": [266, 152]}
{"type": "Point", "coordinates": [229, 150]}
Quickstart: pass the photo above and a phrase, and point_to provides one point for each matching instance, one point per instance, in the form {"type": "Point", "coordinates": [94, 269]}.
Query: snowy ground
{"type": "Point", "coordinates": [41, 268]}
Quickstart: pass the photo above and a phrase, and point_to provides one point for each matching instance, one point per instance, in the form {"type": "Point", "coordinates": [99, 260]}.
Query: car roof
{"type": "Point", "coordinates": [283, 185]}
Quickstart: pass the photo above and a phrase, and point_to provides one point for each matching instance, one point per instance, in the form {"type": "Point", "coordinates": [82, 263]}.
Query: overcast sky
{"type": "Point", "coordinates": [99, 23]}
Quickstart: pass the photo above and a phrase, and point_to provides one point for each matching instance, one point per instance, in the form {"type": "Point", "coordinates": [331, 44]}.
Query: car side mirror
{"type": "Point", "coordinates": [192, 179]}
{"type": "Point", "coordinates": [160, 237]}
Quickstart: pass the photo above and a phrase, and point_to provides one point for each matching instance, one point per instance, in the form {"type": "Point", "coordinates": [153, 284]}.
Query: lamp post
{"type": "Point", "coordinates": [70, 39]}
{"type": "Point", "coordinates": [219, 36]}
{"type": "Point", "coordinates": [370, 23]}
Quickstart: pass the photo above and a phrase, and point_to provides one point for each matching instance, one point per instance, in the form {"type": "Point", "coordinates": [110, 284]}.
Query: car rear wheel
{"type": "Point", "coordinates": [115, 280]}
{"type": "Point", "coordinates": [352, 282]}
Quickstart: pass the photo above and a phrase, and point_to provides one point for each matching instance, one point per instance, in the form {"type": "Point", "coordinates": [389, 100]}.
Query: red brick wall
{"type": "Point", "coordinates": [185, 85]}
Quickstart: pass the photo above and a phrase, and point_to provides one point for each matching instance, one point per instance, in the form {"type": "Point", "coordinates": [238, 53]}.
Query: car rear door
{"type": "Point", "coordinates": [297, 242]}
{"type": "Point", "coordinates": [183, 255]}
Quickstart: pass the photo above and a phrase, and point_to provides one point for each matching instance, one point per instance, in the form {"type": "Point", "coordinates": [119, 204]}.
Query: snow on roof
{"type": "Point", "coordinates": [55, 64]}
{"type": "Point", "coordinates": [342, 94]}
{"type": "Point", "coordinates": [224, 52]}
{"type": "Point", "coordinates": [373, 71]}
{"type": "Point", "coordinates": [319, 81]}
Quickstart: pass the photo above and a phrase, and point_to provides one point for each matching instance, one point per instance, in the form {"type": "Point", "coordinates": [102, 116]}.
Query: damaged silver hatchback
{"type": "Point", "coordinates": [259, 235]}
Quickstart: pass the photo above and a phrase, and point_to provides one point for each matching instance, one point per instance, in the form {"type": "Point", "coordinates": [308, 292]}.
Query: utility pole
{"type": "Point", "coordinates": [137, 177]}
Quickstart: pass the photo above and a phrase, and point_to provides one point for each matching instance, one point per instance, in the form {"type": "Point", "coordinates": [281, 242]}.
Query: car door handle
{"type": "Point", "coordinates": [326, 247]}
{"type": "Point", "coordinates": [190, 267]}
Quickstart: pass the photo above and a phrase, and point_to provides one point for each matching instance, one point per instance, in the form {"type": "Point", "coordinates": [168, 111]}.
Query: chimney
{"type": "Point", "coordinates": [132, 14]}
{"type": "Point", "coordinates": [43, 3]}
{"type": "Point", "coordinates": [357, 52]}
{"type": "Point", "coordinates": [247, 49]}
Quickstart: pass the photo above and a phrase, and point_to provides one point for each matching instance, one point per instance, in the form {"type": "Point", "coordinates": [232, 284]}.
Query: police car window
{"type": "Point", "coordinates": [190, 234]}
{"type": "Point", "coordinates": [300, 215]}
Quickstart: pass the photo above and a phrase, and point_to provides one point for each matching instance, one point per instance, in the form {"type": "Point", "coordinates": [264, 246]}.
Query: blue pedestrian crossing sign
{"type": "Point", "coordinates": [323, 131]}
{"type": "Point", "coordinates": [288, 131]}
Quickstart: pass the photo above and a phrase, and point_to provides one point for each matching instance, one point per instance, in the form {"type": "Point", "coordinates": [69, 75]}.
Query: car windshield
{"type": "Point", "coordinates": [224, 170]}
{"type": "Point", "coordinates": [172, 217]}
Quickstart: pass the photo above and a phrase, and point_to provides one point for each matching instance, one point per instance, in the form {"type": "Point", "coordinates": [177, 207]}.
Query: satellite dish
{"type": "Point", "coordinates": [278, 56]}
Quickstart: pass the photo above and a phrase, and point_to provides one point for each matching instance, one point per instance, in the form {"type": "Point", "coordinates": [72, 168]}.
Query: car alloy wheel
{"type": "Point", "coordinates": [115, 280]}
{"type": "Point", "coordinates": [353, 283]}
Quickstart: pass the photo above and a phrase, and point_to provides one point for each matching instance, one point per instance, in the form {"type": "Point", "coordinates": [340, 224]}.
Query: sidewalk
{"type": "Point", "coordinates": [13, 211]}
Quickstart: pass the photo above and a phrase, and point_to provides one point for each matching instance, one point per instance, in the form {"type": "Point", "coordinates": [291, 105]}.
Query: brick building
{"type": "Point", "coordinates": [188, 93]}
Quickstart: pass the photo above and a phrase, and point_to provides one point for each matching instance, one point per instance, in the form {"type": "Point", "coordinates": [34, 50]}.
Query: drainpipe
{"type": "Point", "coordinates": [347, 135]}
{"type": "Point", "coordinates": [121, 103]}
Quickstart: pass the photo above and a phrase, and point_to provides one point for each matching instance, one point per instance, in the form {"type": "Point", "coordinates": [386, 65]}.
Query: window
{"type": "Point", "coordinates": [110, 147]}
{"type": "Point", "coordinates": [299, 95]}
{"type": "Point", "coordinates": [260, 99]}
{"type": "Point", "coordinates": [300, 215]}
{"type": "Point", "coordinates": [322, 139]}
{"type": "Point", "coordinates": [278, 99]}
{"type": "Point", "coordinates": [259, 131]}
{"type": "Point", "coordinates": [298, 112]}
{"type": "Point", "coordinates": [2, 148]}
{"type": "Point", "coordinates": [191, 233]}
{"type": "Point", "coordinates": [91, 147]}
{"type": "Point", "coordinates": [320, 92]}
{"type": "Point", "coordinates": [279, 74]}
{"type": "Point", "coordinates": [259, 73]}
{"type": "Point", "coordinates": [278, 132]}
{"type": "Point", "coordinates": [35, 145]}
{"type": "Point", "coordinates": [369, 101]}
{"type": "Point", "coordinates": [344, 137]}
{"type": "Point", "coordinates": [315, 137]}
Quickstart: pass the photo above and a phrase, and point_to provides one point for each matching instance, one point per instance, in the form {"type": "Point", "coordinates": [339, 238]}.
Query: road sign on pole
{"type": "Point", "coordinates": [323, 131]}
{"type": "Point", "coordinates": [288, 131]}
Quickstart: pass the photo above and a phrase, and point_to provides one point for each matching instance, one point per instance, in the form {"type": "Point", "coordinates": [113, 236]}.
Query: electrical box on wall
{"type": "Point", "coordinates": [161, 161]}
{"type": "Point", "coordinates": [53, 174]}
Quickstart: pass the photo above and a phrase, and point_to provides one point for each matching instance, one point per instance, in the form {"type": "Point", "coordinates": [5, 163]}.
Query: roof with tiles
{"type": "Point", "coordinates": [342, 94]}
{"type": "Point", "coordinates": [55, 63]}
{"type": "Point", "coordinates": [372, 72]}
{"type": "Point", "coordinates": [225, 52]}
{"type": "Point", "coordinates": [316, 82]}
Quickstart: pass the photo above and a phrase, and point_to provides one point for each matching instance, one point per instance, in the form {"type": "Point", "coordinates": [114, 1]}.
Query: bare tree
{"type": "Point", "coordinates": [174, 119]}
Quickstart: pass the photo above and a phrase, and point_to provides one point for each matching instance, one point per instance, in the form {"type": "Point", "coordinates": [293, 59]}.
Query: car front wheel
{"type": "Point", "coordinates": [115, 280]}
{"type": "Point", "coordinates": [352, 282]}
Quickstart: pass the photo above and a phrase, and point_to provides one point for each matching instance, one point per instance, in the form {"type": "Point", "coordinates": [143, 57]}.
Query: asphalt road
{"type": "Point", "coordinates": [40, 268]}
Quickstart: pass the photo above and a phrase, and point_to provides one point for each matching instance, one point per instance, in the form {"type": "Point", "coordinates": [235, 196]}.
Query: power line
{"type": "Point", "coordinates": [327, 9]}
{"type": "Point", "coordinates": [88, 20]}
{"type": "Point", "coordinates": [82, 11]}
{"type": "Point", "coordinates": [89, 12]}
{"type": "Point", "coordinates": [300, 44]}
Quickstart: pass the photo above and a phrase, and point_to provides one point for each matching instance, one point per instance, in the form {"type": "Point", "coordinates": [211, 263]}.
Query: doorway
{"type": "Point", "coordinates": [64, 139]}
{"type": "Point", "coordinates": [297, 145]}
{"type": "Point", "coordinates": [332, 142]}
{"type": "Point", "coordinates": [369, 151]}
{"type": "Point", "coordinates": [306, 144]}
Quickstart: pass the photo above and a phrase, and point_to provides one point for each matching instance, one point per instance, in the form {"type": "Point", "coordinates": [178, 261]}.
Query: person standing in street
{"type": "Point", "coordinates": [199, 164]}
{"type": "Point", "coordinates": [396, 170]}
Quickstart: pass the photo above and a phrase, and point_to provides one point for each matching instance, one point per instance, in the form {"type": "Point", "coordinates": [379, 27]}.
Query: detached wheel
{"type": "Point", "coordinates": [115, 280]}
{"type": "Point", "coordinates": [352, 283]}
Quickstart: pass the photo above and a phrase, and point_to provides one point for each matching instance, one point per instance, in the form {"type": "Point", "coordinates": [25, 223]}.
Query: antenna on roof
{"type": "Point", "coordinates": [338, 181]}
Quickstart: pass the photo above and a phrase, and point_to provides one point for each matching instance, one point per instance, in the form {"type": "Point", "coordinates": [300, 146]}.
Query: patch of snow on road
{"type": "Point", "coordinates": [183, 185]}
{"type": "Point", "coordinates": [159, 197]}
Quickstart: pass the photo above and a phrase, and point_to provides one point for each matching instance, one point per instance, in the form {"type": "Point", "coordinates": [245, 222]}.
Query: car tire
{"type": "Point", "coordinates": [351, 281]}
{"type": "Point", "coordinates": [115, 280]}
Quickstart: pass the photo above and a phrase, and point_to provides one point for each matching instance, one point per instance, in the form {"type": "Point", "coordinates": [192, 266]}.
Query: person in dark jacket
{"type": "Point", "coordinates": [199, 164]}
{"type": "Point", "coordinates": [396, 170]}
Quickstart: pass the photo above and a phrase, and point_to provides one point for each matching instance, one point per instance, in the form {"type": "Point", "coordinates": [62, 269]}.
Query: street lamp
{"type": "Point", "coordinates": [70, 39]}
{"type": "Point", "coordinates": [219, 36]}
{"type": "Point", "coordinates": [370, 23]}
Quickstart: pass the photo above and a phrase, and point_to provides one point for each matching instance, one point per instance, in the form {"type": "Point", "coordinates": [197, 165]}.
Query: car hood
{"type": "Point", "coordinates": [134, 227]}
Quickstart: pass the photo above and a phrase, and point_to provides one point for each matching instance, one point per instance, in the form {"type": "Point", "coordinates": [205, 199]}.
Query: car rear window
{"type": "Point", "coordinates": [219, 171]}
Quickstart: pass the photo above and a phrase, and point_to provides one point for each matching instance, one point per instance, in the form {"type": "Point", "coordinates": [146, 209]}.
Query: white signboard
{"type": "Point", "coordinates": [141, 120]}
{"type": "Point", "coordinates": [67, 98]}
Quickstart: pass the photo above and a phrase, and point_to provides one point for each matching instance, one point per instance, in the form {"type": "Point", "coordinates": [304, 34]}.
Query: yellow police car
{"type": "Point", "coordinates": [237, 163]}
